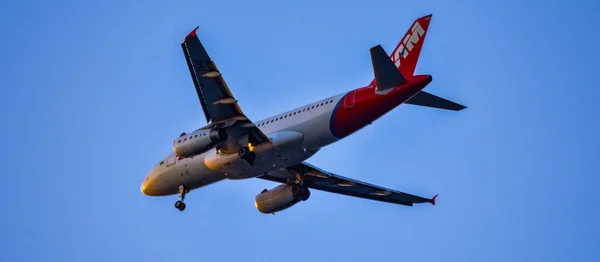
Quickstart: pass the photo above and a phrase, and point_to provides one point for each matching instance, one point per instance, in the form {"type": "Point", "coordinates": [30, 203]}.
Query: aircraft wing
{"type": "Point", "coordinates": [319, 179]}
{"type": "Point", "coordinates": [218, 103]}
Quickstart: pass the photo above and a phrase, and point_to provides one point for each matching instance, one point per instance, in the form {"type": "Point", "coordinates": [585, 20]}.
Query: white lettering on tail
{"type": "Point", "coordinates": [408, 43]}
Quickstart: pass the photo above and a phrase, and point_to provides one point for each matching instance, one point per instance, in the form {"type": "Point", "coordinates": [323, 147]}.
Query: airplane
{"type": "Point", "coordinates": [231, 146]}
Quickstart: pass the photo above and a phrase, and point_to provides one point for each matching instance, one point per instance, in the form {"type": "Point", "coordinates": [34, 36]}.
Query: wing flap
{"type": "Point", "coordinates": [319, 179]}
{"type": "Point", "coordinates": [196, 83]}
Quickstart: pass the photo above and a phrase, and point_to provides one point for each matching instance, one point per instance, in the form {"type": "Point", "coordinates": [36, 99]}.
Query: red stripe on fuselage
{"type": "Point", "coordinates": [362, 106]}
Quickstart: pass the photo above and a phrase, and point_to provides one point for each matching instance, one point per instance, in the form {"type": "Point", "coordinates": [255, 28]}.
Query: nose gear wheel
{"type": "Point", "coordinates": [180, 204]}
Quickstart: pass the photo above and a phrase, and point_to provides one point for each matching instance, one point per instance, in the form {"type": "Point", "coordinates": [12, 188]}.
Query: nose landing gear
{"type": "Point", "coordinates": [179, 204]}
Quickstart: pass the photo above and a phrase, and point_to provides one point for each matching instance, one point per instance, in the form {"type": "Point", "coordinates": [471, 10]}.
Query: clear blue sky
{"type": "Point", "coordinates": [94, 92]}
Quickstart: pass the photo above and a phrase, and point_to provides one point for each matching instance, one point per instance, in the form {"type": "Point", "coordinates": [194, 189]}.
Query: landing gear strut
{"type": "Point", "coordinates": [300, 191]}
{"type": "Point", "coordinates": [179, 204]}
{"type": "Point", "coordinates": [247, 155]}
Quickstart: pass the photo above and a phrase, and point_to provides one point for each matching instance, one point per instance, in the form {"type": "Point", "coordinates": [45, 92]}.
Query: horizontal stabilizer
{"type": "Point", "coordinates": [386, 73]}
{"type": "Point", "coordinates": [426, 99]}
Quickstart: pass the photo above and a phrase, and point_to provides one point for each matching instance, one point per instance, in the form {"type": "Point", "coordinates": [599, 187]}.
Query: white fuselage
{"type": "Point", "coordinates": [296, 135]}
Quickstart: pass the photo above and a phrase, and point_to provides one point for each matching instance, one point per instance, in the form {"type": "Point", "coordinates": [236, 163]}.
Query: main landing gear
{"type": "Point", "coordinates": [247, 155]}
{"type": "Point", "coordinates": [299, 190]}
{"type": "Point", "coordinates": [179, 204]}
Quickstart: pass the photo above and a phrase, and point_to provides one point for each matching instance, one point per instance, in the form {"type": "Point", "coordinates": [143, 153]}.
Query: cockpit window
{"type": "Point", "coordinates": [161, 162]}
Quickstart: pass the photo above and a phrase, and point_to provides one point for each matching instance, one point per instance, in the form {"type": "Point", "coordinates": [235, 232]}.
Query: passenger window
{"type": "Point", "coordinates": [179, 141]}
{"type": "Point", "coordinates": [196, 136]}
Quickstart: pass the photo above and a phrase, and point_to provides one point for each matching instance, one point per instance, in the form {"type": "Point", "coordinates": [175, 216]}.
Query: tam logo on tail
{"type": "Point", "coordinates": [411, 43]}
{"type": "Point", "coordinates": [408, 43]}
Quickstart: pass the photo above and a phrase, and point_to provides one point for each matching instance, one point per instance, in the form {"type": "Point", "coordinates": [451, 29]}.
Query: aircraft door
{"type": "Point", "coordinates": [349, 99]}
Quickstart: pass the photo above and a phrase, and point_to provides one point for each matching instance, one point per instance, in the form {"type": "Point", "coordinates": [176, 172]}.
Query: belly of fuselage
{"type": "Point", "coordinates": [285, 149]}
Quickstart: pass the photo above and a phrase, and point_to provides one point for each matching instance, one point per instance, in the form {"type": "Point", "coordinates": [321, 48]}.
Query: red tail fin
{"type": "Point", "coordinates": [406, 54]}
{"type": "Point", "coordinates": [432, 201]}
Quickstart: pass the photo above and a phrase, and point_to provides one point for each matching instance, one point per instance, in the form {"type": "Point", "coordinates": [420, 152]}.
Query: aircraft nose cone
{"type": "Point", "coordinates": [146, 187]}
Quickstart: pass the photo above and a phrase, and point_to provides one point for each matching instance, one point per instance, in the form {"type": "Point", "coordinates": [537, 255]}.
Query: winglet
{"type": "Point", "coordinates": [192, 34]}
{"type": "Point", "coordinates": [432, 201]}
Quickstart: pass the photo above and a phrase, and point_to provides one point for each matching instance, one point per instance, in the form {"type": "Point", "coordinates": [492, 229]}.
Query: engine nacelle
{"type": "Point", "coordinates": [198, 142]}
{"type": "Point", "coordinates": [280, 198]}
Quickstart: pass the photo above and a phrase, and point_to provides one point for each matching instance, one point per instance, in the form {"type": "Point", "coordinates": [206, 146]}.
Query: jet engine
{"type": "Point", "coordinates": [280, 198]}
{"type": "Point", "coordinates": [198, 142]}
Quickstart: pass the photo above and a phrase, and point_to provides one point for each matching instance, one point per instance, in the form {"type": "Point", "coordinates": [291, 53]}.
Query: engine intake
{"type": "Point", "coordinates": [198, 142]}
{"type": "Point", "coordinates": [281, 198]}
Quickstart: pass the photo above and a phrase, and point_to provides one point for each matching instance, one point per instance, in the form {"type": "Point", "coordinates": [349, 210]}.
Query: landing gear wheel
{"type": "Point", "coordinates": [179, 204]}
{"type": "Point", "coordinates": [243, 152]}
{"type": "Point", "coordinates": [305, 194]}
{"type": "Point", "coordinates": [300, 192]}
{"type": "Point", "coordinates": [247, 155]}
{"type": "Point", "coordinates": [251, 157]}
